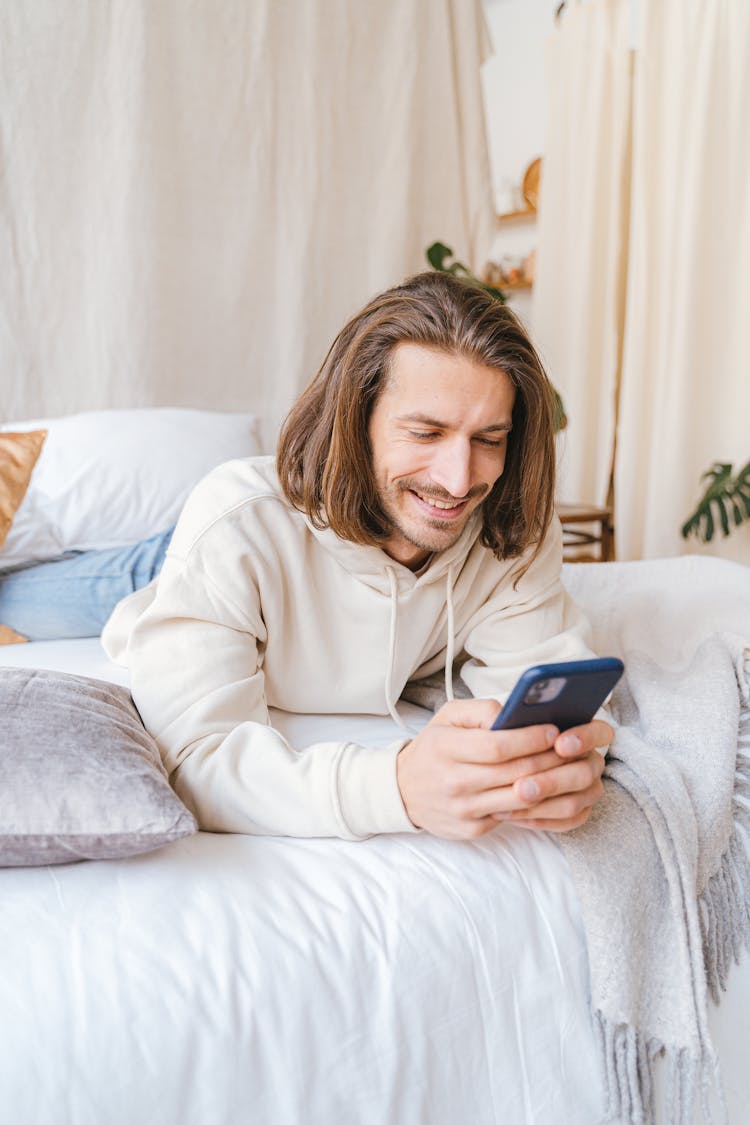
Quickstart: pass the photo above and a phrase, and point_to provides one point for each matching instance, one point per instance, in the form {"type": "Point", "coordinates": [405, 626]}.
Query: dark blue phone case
{"type": "Point", "coordinates": [585, 685]}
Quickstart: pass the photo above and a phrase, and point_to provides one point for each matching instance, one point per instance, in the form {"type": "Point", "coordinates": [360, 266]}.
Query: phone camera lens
{"type": "Point", "coordinates": [537, 692]}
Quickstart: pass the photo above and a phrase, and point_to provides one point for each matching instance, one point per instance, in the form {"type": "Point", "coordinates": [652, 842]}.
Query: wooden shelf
{"type": "Point", "coordinates": [516, 216]}
{"type": "Point", "coordinates": [509, 284]}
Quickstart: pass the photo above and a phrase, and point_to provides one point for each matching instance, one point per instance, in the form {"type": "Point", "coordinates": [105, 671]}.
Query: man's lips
{"type": "Point", "coordinates": [438, 507]}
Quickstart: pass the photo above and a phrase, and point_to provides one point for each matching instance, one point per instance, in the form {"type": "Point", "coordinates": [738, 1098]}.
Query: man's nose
{"type": "Point", "coordinates": [451, 468]}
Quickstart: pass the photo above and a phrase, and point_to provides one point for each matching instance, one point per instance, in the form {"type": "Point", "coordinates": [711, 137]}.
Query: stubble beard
{"type": "Point", "coordinates": [446, 534]}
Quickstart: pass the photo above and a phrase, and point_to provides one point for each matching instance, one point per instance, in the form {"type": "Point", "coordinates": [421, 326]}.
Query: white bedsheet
{"type": "Point", "coordinates": [231, 979]}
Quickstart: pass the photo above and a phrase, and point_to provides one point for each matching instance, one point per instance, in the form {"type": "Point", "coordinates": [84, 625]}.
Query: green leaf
{"type": "Point", "coordinates": [722, 493]}
{"type": "Point", "coordinates": [690, 527]}
{"type": "Point", "coordinates": [437, 256]}
{"type": "Point", "coordinates": [721, 505]}
{"type": "Point", "coordinates": [736, 511]}
{"type": "Point", "coordinates": [559, 417]}
{"type": "Point", "coordinates": [437, 253]}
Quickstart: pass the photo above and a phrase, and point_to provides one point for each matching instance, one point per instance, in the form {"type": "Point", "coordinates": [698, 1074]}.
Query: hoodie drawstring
{"type": "Point", "coordinates": [449, 647]}
{"type": "Point", "coordinates": [392, 650]}
{"type": "Point", "coordinates": [451, 639]}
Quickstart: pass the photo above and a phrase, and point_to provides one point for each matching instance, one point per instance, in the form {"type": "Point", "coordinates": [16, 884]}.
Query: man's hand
{"type": "Point", "coordinates": [458, 778]}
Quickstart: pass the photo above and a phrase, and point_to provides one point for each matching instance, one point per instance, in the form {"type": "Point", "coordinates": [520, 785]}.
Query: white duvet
{"type": "Point", "coordinates": [229, 979]}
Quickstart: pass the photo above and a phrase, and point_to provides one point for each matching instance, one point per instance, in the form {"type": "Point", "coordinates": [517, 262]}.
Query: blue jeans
{"type": "Point", "coordinates": [73, 596]}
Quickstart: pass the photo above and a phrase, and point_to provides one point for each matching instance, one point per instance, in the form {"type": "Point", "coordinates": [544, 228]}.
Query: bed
{"type": "Point", "coordinates": [401, 979]}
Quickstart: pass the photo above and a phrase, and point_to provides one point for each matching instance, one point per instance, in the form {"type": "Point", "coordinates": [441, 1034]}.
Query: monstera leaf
{"type": "Point", "coordinates": [725, 501]}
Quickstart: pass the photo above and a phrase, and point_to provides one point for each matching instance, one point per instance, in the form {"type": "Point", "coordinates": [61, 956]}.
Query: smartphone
{"type": "Point", "coordinates": [567, 694]}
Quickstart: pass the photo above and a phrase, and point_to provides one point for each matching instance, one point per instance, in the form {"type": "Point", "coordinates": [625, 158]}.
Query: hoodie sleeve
{"type": "Point", "coordinates": [195, 659]}
{"type": "Point", "coordinates": [535, 623]}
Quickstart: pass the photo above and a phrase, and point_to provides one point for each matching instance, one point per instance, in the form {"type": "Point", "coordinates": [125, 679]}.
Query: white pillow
{"type": "Point", "coordinates": [112, 477]}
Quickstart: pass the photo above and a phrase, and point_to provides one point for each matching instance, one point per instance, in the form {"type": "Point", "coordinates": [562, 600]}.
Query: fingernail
{"type": "Point", "coordinates": [551, 734]}
{"type": "Point", "coordinates": [570, 742]}
{"type": "Point", "coordinates": [529, 790]}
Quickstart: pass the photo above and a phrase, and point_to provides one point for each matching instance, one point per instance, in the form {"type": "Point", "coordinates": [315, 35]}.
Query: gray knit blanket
{"type": "Point", "coordinates": [661, 868]}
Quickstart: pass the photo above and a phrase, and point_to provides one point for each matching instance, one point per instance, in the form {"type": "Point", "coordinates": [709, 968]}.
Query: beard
{"type": "Point", "coordinates": [420, 530]}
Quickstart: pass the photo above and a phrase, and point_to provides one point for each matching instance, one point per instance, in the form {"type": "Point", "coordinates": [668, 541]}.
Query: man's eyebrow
{"type": "Point", "coordinates": [424, 420]}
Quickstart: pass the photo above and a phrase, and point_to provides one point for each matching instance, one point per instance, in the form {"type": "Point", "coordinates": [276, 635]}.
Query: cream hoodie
{"type": "Point", "coordinates": [255, 608]}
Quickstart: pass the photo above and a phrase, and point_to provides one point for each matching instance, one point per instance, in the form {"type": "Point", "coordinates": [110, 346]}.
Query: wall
{"type": "Point", "coordinates": [514, 99]}
{"type": "Point", "coordinates": [513, 82]}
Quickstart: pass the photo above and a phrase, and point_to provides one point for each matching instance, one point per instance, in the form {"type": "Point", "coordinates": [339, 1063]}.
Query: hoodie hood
{"type": "Point", "coordinates": [371, 565]}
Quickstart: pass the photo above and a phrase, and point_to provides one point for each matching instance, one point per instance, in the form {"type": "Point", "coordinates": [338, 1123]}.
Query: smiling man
{"type": "Point", "coordinates": [405, 528]}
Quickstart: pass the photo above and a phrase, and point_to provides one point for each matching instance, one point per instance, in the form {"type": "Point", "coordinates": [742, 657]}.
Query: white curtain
{"type": "Point", "coordinates": [195, 196]}
{"type": "Point", "coordinates": [662, 209]}
{"type": "Point", "coordinates": [582, 231]}
{"type": "Point", "coordinates": [686, 374]}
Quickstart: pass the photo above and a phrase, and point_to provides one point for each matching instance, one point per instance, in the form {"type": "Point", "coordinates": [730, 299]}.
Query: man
{"type": "Point", "coordinates": [408, 520]}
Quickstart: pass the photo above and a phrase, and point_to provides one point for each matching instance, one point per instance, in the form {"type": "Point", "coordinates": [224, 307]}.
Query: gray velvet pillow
{"type": "Point", "coordinates": [80, 776]}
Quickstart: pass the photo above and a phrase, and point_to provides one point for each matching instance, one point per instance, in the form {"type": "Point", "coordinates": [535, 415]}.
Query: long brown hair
{"type": "Point", "coordinates": [324, 458]}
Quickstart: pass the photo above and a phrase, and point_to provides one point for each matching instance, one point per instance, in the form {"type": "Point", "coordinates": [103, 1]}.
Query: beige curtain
{"type": "Point", "coordinates": [582, 233]}
{"type": "Point", "coordinates": [195, 196]}
{"type": "Point", "coordinates": [686, 374]}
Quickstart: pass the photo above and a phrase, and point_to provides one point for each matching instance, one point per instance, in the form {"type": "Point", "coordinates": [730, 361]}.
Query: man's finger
{"type": "Point", "coordinates": [565, 807]}
{"type": "Point", "coordinates": [487, 747]}
{"type": "Point", "coordinates": [570, 777]}
{"type": "Point", "coordinates": [467, 779]}
{"type": "Point", "coordinates": [535, 793]}
{"type": "Point", "coordinates": [577, 741]}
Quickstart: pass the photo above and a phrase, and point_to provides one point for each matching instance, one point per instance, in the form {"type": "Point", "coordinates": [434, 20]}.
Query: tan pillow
{"type": "Point", "coordinates": [18, 456]}
{"type": "Point", "coordinates": [9, 636]}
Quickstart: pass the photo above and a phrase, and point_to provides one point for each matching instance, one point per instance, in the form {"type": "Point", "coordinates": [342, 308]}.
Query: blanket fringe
{"type": "Point", "coordinates": [725, 902]}
{"type": "Point", "coordinates": [629, 1059]}
{"type": "Point", "coordinates": [630, 1087]}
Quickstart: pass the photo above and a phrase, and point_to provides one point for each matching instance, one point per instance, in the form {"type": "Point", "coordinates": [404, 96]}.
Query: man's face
{"type": "Point", "coordinates": [438, 434]}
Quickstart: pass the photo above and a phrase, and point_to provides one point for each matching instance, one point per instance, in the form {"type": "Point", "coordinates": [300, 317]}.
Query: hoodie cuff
{"type": "Point", "coordinates": [368, 795]}
{"type": "Point", "coordinates": [604, 714]}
